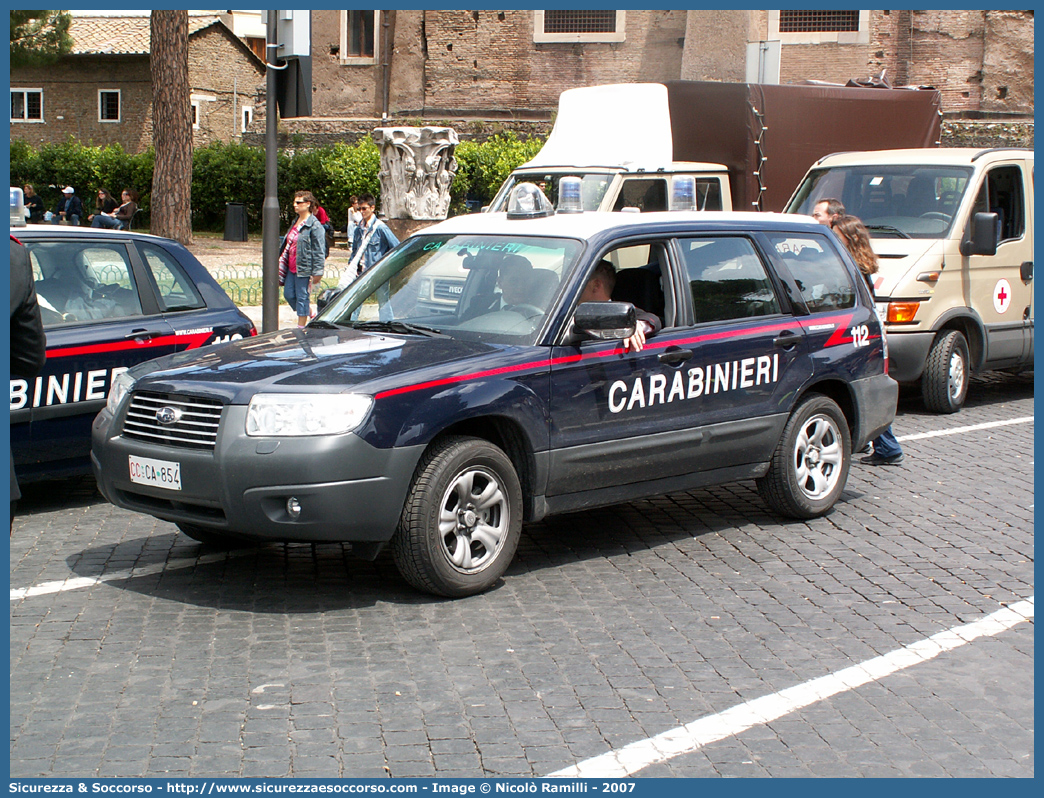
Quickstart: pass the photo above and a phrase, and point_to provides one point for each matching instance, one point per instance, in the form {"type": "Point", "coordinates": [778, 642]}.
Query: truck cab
{"type": "Point", "coordinates": [616, 188]}
{"type": "Point", "coordinates": [953, 233]}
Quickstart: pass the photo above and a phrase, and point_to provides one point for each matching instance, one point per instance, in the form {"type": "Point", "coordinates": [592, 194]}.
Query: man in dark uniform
{"type": "Point", "coordinates": [28, 345]}
{"type": "Point", "coordinates": [599, 288]}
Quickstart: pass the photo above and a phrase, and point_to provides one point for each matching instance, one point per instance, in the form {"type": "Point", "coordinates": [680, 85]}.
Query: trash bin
{"type": "Point", "coordinates": [235, 221]}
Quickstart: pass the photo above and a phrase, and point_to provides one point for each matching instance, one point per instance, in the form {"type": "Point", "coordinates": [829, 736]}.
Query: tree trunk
{"type": "Point", "coordinates": [170, 206]}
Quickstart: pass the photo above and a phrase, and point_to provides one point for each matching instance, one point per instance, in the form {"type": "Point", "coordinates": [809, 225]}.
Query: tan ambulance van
{"type": "Point", "coordinates": [953, 231]}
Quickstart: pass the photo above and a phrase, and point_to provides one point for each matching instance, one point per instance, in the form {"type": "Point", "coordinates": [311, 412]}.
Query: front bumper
{"type": "Point", "coordinates": [875, 399]}
{"type": "Point", "coordinates": [348, 490]}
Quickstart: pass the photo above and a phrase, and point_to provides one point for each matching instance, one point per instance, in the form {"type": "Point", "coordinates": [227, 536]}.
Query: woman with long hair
{"type": "Point", "coordinates": [856, 238]}
{"type": "Point", "coordinates": [302, 257]}
{"type": "Point", "coordinates": [103, 203]}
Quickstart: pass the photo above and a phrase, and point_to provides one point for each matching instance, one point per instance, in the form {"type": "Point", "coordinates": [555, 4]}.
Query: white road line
{"type": "Point", "coordinates": [75, 583]}
{"type": "Point", "coordinates": [685, 739]}
{"type": "Point", "coordinates": [973, 428]}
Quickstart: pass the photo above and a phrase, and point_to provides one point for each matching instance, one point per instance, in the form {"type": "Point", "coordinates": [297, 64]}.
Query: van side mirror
{"type": "Point", "coordinates": [981, 236]}
{"type": "Point", "coordinates": [605, 321]}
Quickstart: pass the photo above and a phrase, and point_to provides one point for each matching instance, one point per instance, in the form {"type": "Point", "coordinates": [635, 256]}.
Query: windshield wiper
{"type": "Point", "coordinates": [399, 327]}
{"type": "Point", "coordinates": [888, 229]}
{"type": "Point", "coordinates": [325, 325]}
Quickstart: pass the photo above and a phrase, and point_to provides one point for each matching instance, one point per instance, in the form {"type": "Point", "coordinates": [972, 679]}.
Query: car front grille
{"type": "Point", "coordinates": [448, 289]}
{"type": "Point", "coordinates": [195, 425]}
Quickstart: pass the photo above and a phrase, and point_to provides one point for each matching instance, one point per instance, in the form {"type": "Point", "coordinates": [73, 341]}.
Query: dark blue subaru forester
{"type": "Point", "coordinates": [108, 299]}
{"type": "Point", "coordinates": [460, 388]}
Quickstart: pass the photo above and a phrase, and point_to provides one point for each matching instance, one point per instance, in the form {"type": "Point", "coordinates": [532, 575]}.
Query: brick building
{"type": "Point", "coordinates": [101, 93]}
{"type": "Point", "coordinates": [517, 62]}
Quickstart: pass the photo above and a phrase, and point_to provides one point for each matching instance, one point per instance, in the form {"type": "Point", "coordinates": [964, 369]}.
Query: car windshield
{"type": "Point", "coordinates": [894, 201]}
{"type": "Point", "coordinates": [592, 187]}
{"type": "Point", "coordinates": [472, 287]}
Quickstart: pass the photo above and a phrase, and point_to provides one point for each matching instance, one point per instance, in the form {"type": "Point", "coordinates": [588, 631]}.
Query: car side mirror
{"type": "Point", "coordinates": [982, 234]}
{"type": "Point", "coordinates": [605, 321]}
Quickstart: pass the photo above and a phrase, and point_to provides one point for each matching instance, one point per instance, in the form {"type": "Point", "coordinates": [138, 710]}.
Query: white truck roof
{"type": "Point", "coordinates": [614, 125]}
{"type": "Point", "coordinates": [946, 156]}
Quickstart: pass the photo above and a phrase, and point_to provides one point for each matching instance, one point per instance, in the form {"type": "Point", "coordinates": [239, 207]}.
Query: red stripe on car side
{"type": "Point", "coordinates": [118, 346]}
{"type": "Point", "coordinates": [654, 344]}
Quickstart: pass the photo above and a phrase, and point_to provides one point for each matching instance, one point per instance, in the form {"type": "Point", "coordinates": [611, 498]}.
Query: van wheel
{"type": "Point", "coordinates": [810, 466]}
{"type": "Point", "coordinates": [944, 384]}
{"type": "Point", "coordinates": [462, 519]}
{"type": "Point", "coordinates": [209, 537]}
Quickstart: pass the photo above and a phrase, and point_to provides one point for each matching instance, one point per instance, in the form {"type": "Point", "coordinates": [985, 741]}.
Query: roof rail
{"type": "Point", "coordinates": [980, 153]}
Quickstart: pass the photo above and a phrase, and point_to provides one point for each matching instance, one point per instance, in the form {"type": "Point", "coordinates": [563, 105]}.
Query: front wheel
{"type": "Point", "coordinates": [944, 384]}
{"type": "Point", "coordinates": [810, 466]}
{"type": "Point", "coordinates": [462, 519]}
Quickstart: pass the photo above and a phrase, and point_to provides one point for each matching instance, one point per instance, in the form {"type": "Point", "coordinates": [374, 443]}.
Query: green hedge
{"type": "Point", "coordinates": [224, 173]}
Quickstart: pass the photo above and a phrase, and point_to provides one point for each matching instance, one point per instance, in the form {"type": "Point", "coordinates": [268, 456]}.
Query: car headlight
{"type": "Point", "coordinates": [295, 414]}
{"type": "Point", "coordinates": [120, 387]}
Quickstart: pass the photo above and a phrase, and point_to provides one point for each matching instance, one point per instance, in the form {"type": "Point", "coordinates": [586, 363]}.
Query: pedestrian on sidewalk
{"type": "Point", "coordinates": [856, 238]}
{"type": "Point", "coordinates": [302, 257]}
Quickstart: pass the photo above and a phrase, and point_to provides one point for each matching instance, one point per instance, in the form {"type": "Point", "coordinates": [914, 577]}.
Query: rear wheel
{"type": "Point", "coordinates": [810, 466]}
{"type": "Point", "coordinates": [462, 519]}
{"type": "Point", "coordinates": [944, 384]}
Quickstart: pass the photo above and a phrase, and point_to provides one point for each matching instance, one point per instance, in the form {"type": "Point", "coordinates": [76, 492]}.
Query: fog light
{"type": "Point", "coordinates": [293, 508]}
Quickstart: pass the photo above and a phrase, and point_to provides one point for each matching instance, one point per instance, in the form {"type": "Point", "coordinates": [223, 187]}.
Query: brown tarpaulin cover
{"type": "Point", "coordinates": [798, 125]}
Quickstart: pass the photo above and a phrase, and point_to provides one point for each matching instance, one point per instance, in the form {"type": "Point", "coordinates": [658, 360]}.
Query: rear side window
{"type": "Point", "coordinates": [818, 270]}
{"type": "Point", "coordinates": [176, 290]}
{"type": "Point", "coordinates": [82, 282]}
{"type": "Point", "coordinates": [727, 280]}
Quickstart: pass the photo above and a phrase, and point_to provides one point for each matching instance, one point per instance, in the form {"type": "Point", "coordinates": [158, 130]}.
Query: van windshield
{"type": "Point", "coordinates": [472, 287]}
{"type": "Point", "coordinates": [893, 200]}
{"type": "Point", "coordinates": [592, 187]}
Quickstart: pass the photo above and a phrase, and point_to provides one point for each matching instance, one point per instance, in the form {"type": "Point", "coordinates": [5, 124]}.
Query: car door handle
{"type": "Point", "coordinates": [674, 355]}
{"type": "Point", "coordinates": [1026, 271]}
{"type": "Point", "coordinates": [787, 339]}
{"type": "Point", "coordinates": [144, 334]}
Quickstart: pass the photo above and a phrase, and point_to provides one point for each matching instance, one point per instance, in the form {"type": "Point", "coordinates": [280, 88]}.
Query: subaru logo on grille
{"type": "Point", "coordinates": [168, 415]}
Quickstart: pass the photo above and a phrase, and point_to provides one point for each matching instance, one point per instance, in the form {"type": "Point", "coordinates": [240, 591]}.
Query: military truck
{"type": "Point", "coordinates": [953, 232]}
{"type": "Point", "coordinates": [746, 145]}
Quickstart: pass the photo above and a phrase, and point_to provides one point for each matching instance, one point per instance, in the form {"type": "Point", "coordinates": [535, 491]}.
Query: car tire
{"type": "Point", "coordinates": [944, 384]}
{"type": "Point", "coordinates": [209, 537]}
{"type": "Point", "coordinates": [810, 466]}
{"type": "Point", "coordinates": [462, 519]}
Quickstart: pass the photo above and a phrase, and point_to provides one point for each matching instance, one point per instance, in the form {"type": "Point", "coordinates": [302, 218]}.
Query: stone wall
{"type": "Point", "coordinates": [70, 101]}
{"type": "Point", "coordinates": [308, 133]}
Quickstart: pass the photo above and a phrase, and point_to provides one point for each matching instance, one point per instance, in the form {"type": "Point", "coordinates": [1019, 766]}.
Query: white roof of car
{"type": "Point", "coordinates": [588, 224]}
{"type": "Point", "coordinates": [943, 156]}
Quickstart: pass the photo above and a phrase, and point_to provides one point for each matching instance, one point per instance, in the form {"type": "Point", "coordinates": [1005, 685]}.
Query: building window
{"type": "Point", "coordinates": [109, 105]}
{"type": "Point", "coordinates": [359, 37]}
{"type": "Point", "coordinates": [819, 27]}
{"type": "Point", "coordinates": [248, 118]}
{"type": "Point", "coordinates": [27, 105]}
{"type": "Point", "coordinates": [195, 114]}
{"type": "Point", "coordinates": [589, 25]}
{"type": "Point", "coordinates": [257, 45]}
{"type": "Point", "coordinates": [818, 21]}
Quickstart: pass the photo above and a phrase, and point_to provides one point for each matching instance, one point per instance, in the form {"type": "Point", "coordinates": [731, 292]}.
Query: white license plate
{"type": "Point", "coordinates": [158, 473]}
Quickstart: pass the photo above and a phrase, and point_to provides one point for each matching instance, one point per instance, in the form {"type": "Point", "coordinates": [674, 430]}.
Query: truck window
{"type": "Point", "coordinates": [708, 195]}
{"type": "Point", "coordinates": [818, 272]}
{"type": "Point", "coordinates": [1001, 193]}
{"type": "Point", "coordinates": [647, 194]}
{"type": "Point", "coordinates": [727, 280]}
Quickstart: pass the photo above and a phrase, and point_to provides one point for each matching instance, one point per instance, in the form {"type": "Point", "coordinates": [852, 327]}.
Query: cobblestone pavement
{"type": "Point", "coordinates": [142, 654]}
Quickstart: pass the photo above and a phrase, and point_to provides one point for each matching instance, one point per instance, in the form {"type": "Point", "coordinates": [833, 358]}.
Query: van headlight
{"type": "Point", "coordinates": [296, 414]}
{"type": "Point", "coordinates": [120, 387]}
